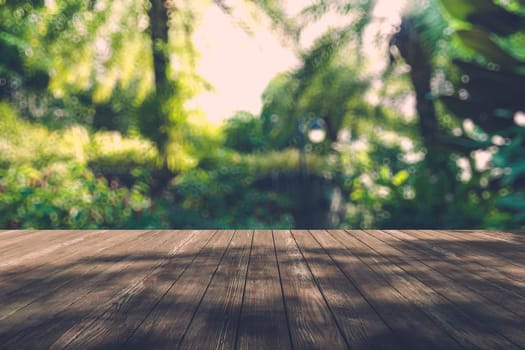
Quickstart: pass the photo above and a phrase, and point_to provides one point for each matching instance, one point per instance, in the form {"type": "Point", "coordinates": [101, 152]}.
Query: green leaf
{"type": "Point", "coordinates": [485, 14]}
{"type": "Point", "coordinates": [461, 9]}
{"type": "Point", "coordinates": [480, 41]}
{"type": "Point", "coordinates": [513, 202]}
{"type": "Point", "coordinates": [384, 173]}
{"type": "Point", "coordinates": [517, 169]}
{"type": "Point", "coordinates": [400, 178]}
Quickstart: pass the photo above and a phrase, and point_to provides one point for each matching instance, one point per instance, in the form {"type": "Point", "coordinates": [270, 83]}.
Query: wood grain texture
{"type": "Point", "coordinates": [356, 289]}
{"type": "Point", "coordinates": [488, 244]}
{"type": "Point", "coordinates": [489, 267]}
{"type": "Point", "coordinates": [360, 324]}
{"type": "Point", "coordinates": [402, 316]}
{"type": "Point", "coordinates": [39, 324]}
{"type": "Point", "coordinates": [487, 258]}
{"type": "Point", "coordinates": [34, 242]}
{"type": "Point", "coordinates": [493, 235]}
{"type": "Point", "coordinates": [25, 284]}
{"type": "Point", "coordinates": [494, 322]}
{"type": "Point", "coordinates": [493, 291]}
{"type": "Point", "coordinates": [12, 235]}
{"type": "Point", "coordinates": [168, 321]}
{"type": "Point", "coordinates": [40, 256]}
{"type": "Point", "coordinates": [263, 316]}
{"type": "Point", "coordinates": [215, 323]}
{"type": "Point", "coordinates": [312, 324]}
{"type": "Point", "coordinates": [468, 332]}
{"type": "Point", "coordinates": [114, 320]}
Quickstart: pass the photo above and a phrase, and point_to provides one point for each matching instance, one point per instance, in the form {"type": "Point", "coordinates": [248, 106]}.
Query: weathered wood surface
{"type": "Point", "coordinates": [392, 289]}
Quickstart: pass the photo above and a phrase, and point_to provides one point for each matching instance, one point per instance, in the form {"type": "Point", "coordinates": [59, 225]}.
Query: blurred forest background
{"type": "Point", "coordinates": [97, 128]}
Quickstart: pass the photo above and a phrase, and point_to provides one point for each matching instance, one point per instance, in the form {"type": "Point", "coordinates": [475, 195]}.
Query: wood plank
{"type": "Point", "coordinates": [161, 330]}
{"type": "Point", "coordinates": [490, 265]}
{"type": "Point", "coordinates": [217, 319]}
{"type": "Point", "coordinates": [312, 325]}
{"type": "Point", "coordinates": [39, 324]}
{"type": "Point", "coordinates": [508, 236]}
{"type": "Point", "coordinates": [17, 236]}
{"type": "Point", "coordinates": [30, 243]}
{"type": "Point", "coordinates": [481, 314]}
{"type": "Point", "coordinates": [23, 285]}
{"type": "Point", "coordinates": [9, 235]}
{"type": "Point", "coordinates": [402, 316]}
{"type": "Point", "coordinates": [517, 235]}
{"type": "Point", "coordinates": [360, 323]}
{"type": "Point", "coordinates": [115, 319]}
{"type": "Point", "coordinates": [447, 316]}
{"type": "Point", "coordinates": [23, 266]}
{"type": "Point", "coordinates": [474, 276]}
{"type": "Point", "coordinates": [55, 276]}
{"type": "Point", "coordinates": [75, 239]}
{"type": "Point", "coordinates": [509, 251]}
{"type": "Point", "coordinates": [262, 290]}
{"type": "Point", "coordinates": [469, 248]}
{"type": "Point", "coordinates": [263, 316]}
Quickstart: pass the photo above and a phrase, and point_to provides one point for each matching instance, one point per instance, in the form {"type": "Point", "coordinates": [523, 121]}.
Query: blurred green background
{"type": "Point", "coordinates": [96, 128]}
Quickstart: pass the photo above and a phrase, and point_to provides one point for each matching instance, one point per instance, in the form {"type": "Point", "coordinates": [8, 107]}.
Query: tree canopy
{"type": "Point", "coordinates": [98, 129]}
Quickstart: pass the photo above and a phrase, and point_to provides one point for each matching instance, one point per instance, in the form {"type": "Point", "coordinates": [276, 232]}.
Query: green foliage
{"type": "Point", "coordinates": [511, 163]}
{"type": "Point", "coordinates": [44, 147]}
{"type": "Point", "coordinates": [45, 183]}
{"type": "Point", "coordinates": [223, 195]}
{"type": "Point", "coordinates": [488, 90]}
{"type": "Point", "coordinates": [15, 29]}
{"type": "Point", "coordinates": [279, 122]}
{"type": "Point", "coordinates": [128, 160]}
{"type": "Point", "coordinates": [244, 133]}
{"type": "Point", "coordinates": [358, 11]}
{"type": "Point", "coordinates": [485, 14]}
{"type": "Point", "coordinates": [71, 179]}
{"type": "Point", "coordinates": [69, 196]}
{"type": "Point", "coordinates": [285, 161]}
{"type": "Point", "coordinates": [90, 139]}
{"type": "Point", "coordinates": [327, 87]}
{"type": "Point", "coordinates": [387, 190]}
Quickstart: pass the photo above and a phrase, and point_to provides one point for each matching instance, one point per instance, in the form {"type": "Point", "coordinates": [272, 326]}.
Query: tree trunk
{"type": "Point", "coordinates": [158, 19]}
{"type": "Point", "coordinates": [411, 49]}
{"type": "Point", "coordinates": [159, 27]}
{"type": "Point", "coordinates": [437, 173]}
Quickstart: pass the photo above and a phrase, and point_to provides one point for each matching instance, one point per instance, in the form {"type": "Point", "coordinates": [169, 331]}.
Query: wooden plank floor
{"type": "Point", "coordinates": [338, 289]}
